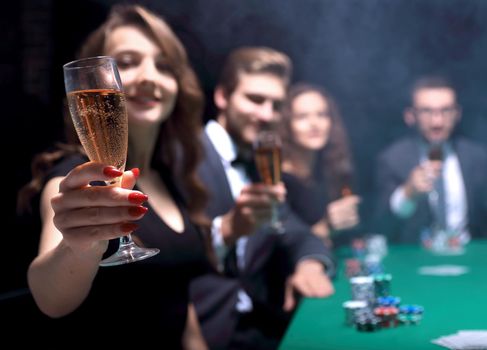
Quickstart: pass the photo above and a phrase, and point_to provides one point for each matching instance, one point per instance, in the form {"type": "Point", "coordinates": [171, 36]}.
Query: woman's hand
{"type": "Point", "coordinates": [343, 213]}
{"type": "Point", "coordinates": [88, 216]}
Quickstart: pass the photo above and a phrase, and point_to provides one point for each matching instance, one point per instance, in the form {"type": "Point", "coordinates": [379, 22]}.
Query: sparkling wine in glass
{"type": "Point", "coordinates": [345, 185]}
{"type": "Point", "coordinates": [97, 105]}
{"type": "Point", "coordinates": [435, 152]}
{"type": "Point", "coordinates": [267, 154]}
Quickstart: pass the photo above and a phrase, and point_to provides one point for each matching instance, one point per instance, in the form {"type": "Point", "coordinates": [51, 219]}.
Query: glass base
{"type": "Point", "coordinates": [129, 253]}
{"type": "Point", "coordinates": [448, 250]}
{"type": "Point", "coordinates": [445, 242]}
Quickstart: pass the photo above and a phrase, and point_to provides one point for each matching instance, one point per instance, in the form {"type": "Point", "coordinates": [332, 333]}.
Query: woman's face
{"type": "Point", "coordinates": [310, 121]}
{"type": "Point", "coordinates": [149, 84]}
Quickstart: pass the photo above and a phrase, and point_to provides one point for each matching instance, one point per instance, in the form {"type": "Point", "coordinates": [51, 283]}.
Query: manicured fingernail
{"type": "Point", "coordinates": [112, 172]}
{"type": "Point", "coordinates": [138, 198]}
{"type": "Point", "coordinates": [137, 211]}
{"type": "Point", "coordinates": [129, 227]}
{"type": "Point", "coordinates": [136, 172]}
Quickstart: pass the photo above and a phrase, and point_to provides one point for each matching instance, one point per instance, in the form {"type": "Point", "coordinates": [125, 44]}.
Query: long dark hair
{"type": "Point", "coordinates": [178, 137]}
{"type": "Point", "coordinates": [334, 160]}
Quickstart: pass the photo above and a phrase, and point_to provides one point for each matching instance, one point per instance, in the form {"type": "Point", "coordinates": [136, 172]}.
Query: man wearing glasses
{"type": "Point", "coordinates": [433, 176]}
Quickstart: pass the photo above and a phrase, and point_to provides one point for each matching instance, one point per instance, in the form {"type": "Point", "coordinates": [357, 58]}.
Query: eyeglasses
{"type": "Point", "coordinates": [446, 112]}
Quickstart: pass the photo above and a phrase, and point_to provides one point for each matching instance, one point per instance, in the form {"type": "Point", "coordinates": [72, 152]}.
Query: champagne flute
{"type": "Point", "coordinates": [267, 154]}
{"type": "Point", "coordinates": [97, 105]}
{"type": "Point", "coordinates": [345, 185]}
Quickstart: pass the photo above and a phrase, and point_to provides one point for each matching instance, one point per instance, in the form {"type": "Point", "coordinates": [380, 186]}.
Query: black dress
{"type": "Point", "coordinates": [147, 299]}
{"type": "Point", "coordinates": [307, 199]}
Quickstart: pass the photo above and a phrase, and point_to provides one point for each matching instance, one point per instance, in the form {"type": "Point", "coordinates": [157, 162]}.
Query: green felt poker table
{"type": "Point", "coordinates": [451, 303]}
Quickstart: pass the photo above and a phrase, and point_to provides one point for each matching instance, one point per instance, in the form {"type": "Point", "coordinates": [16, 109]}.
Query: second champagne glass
{"type": "Point", "coordinates": [267, 153]}
{"type": "Point", "coordinates": [97, 105]}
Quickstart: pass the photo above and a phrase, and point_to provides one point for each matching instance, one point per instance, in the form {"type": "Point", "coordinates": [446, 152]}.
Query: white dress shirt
{"type": "Point", "coordinates": [237, 178]}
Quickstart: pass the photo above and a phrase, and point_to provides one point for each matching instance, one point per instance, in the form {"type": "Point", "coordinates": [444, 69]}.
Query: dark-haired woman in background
{"type": "Point", "coordinates": [317, 165]}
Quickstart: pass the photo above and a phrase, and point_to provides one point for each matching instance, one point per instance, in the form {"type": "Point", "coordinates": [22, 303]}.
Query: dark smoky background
{"type": "Point", "coordinates": [365, 52]}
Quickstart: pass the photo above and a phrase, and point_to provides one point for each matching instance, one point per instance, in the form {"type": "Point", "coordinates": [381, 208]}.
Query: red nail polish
{"type": "Point", "coordinates": [128, 227]}
{"type": "Point", "coordinates": [112, 172]}
{"type": "Point", "coordinates": [137, 198]}
{"type": "Point", "coordinates": [137, 211]}
{"type": "Point", "coordinates": [136, 172]}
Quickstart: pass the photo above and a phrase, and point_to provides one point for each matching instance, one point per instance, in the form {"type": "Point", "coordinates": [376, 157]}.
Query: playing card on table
{"type": "Point", "coordinates": [443, 270]}
{"type": "Point", "coordinates": [464, 340]}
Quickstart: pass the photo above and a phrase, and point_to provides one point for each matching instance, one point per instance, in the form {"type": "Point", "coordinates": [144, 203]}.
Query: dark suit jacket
{"type": "Point", "coordinates": [393, 168]}
{"type": "Point", "coordinates": [269, 259]}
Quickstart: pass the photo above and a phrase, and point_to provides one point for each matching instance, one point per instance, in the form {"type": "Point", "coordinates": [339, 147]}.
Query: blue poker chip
{"type": "Point", "coordinates": [418, 309]}
{"type": "Point", "coordinates": [389, 301]}
{"type": "Point", "coordinates": [411, 309]}
{"type": "Point", "coordinates": [406, 309]}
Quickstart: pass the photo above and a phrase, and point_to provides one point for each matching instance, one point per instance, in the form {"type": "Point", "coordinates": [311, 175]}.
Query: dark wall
{"type": "Point", "coordinates": [365, 52]}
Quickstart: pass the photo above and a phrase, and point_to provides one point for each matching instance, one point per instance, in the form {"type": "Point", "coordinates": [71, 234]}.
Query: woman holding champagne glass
{"type": "Point", "coordinates": [317, 165]}
{"type": "Point", "coordinates": [164, 104]}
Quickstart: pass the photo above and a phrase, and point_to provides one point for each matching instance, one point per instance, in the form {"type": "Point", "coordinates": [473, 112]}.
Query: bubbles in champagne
{"type": "Point", "coordinates": [100, 119]}
{"type": "Point", "coordinates": [268, 162]}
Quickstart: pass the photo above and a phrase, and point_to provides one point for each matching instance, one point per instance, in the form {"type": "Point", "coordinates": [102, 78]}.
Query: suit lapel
{"type": "Point", "coordinates": [422, 216]}
{"type": "Point", "coordinates": [213, 175]}
{"type": "Point", "coordinates": [410, 158]}
{"type": "Point", "coordinates": [467, 169]}
{"type": "Point", "coordinates": [259, 245]}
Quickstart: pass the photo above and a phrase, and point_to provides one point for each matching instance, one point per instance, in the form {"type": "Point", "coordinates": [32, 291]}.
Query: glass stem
{"type": "Point", "coordinates": [275, 214]}
{"type": "Point", "coordinates": [126, 240]}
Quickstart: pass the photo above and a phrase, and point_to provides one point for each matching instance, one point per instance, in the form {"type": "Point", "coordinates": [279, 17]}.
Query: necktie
{"type": "Point", "coordinates": [436, 153]}
{"type": "Point", "coordinates": [440, 210]}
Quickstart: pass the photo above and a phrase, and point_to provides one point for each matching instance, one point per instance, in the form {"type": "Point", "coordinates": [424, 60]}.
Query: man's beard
{"type": "Point", "coordinates": [235, 131]}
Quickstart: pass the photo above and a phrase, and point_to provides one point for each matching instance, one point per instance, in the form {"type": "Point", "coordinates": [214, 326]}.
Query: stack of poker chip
{"type": "Point", "coordinates": [359, 310]}
{"type": "Point", "coordinates": [372, 306]}
{"type": "Point", "coordinates": [410, 314]}
{"type": "Point", "coordinates": [352, 309]}
{"type": "Point", "coordinates": [382, 284]}
{"type": "Point", "coordinates": [358, 248]}
{"type": "Point", "coordinates": [387, 316]}
{"type": "Point", "coordinates": [363, 289]}
{"type": "Point", "coordinates": [353, 267]}
{"type": "Point", "coordinates": [388, 301]}
{"type": "Point", "coordinates": [373, 264]}
{"type": "Point", "coordinates": [366, 321]}
{"type": "Point", "coordinates": [377, 245]}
